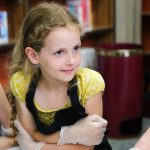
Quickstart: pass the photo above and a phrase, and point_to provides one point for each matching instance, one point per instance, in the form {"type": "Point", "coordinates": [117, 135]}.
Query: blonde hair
{"type": "Point", "coordinates": [37, 24]}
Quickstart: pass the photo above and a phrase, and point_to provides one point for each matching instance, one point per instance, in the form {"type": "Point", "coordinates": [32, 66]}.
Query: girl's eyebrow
{"type": "Point", "coordinates": [59, 48]}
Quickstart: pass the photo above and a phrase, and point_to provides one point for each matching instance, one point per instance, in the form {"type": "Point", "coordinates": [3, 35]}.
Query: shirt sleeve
{"type": "Point", "coordinates": [18, 86]}
{"type": "Point", "coordinates": [90, 83]}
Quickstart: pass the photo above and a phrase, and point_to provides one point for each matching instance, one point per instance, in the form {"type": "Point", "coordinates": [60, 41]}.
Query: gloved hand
{"type": "Point", "coordinates": [25, 141]}
{"type": "Point", "coordinates": [143, 143]}
{"type": "Point", "coordinates": [6, 131]}
{"type": "Point", "coordinates": [87, 131]}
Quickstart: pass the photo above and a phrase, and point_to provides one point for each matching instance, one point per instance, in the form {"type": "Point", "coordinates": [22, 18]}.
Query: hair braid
{"type": "Point", "coordinates": [13, 116]}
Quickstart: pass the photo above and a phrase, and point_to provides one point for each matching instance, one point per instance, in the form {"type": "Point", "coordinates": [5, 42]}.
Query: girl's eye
{"type": "Point", "coordinates": [58, 53]}
{"type": "Point", "coordinates": [77, 48]}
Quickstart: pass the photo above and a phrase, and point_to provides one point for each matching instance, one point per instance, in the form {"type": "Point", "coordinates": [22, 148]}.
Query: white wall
{"type": "Point", "coordinates": [128, 21]}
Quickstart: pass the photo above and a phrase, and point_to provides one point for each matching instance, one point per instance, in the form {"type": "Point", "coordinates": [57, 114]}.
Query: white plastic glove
{"type": "Point", "coordinates": [87, 131]}
{"type": "Point", "coordinates": [25, 141]}
{"type": "Point", "coordinates": [134, 148]}
{"type": "Point", "coordinates": [6, 131]}
{"type": "Point", "coordinates": [143, 143]}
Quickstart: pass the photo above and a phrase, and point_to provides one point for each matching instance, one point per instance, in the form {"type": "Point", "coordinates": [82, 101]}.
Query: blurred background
{"type": "Point", "coordinates": [115, 42]}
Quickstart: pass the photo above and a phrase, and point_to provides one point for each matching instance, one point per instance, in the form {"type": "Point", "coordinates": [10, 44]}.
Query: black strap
{"type": "Point", "coordinates": [73, 93]}
{"type": "Point", "coordinates": [30, 96]}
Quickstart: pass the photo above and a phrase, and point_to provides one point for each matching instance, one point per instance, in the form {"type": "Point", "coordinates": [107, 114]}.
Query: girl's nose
{"type": "Point", "coordinates": [71, 59]}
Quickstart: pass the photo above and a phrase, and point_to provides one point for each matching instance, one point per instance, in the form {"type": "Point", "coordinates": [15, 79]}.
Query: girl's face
{"type": "Point", "coordinates": [59, 59]}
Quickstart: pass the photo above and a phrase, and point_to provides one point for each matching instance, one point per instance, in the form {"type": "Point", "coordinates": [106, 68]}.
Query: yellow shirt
{"type": "Point", "coordinates": [89, 84]}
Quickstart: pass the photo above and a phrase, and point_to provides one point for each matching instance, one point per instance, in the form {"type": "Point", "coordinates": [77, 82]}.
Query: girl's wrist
{"type": "Point", "coordinates": [37, 136]}
{"type": "Point", "coordinates": [51, 139]}
{"type": "Point", "coordinates": [39, 146]}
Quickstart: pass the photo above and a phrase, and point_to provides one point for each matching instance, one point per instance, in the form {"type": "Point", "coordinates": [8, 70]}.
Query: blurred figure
{"type": "Point", "coordinates": [5, 109]}
{"type": "Point", "coordinates": [143, 143]}
{"type": "Point", "coordinates": [5, 131]}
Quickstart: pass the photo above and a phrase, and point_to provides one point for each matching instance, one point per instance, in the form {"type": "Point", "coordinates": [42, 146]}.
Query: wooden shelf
{"type": "Point", "coordinates": [146, 14]}
{"type": "Point", "coordinates": [146, 6]}
{"type": "Point", "coordinates": [147, 53]}
{"type": "Point", "coordinates": [146, 32]}
{"type": "Point", "coordinates": [6, 47]}
{"type": "Point", "coordinates": [146, 42]}
{"type": "Point", "coordinates": [96, 32]}
{"type": "Point", "coordinates": [145, 25]}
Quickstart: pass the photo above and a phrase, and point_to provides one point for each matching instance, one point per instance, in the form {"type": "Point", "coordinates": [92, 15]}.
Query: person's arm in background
{"type": "Point", "coordinates": [5, 112]}
{"type": "Point", "coordinates": [5, 109]}
{"type": "Point", "coordinates": [143, 143]}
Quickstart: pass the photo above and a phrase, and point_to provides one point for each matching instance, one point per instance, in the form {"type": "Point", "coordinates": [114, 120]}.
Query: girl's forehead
{"type": "Point", "coordinates": [66, 28]}
{"type": "Point", "coordinates": [63, 33]}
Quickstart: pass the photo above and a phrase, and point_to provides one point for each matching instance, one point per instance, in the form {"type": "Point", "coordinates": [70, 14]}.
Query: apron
{"type": "Point", "coordinates": [64, 117]}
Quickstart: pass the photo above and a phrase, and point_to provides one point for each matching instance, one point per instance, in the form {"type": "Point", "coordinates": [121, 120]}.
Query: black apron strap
{"type": "Point", "coordinates": [30, 96]}
{"type": "Point", "coordinates": [73, 93]}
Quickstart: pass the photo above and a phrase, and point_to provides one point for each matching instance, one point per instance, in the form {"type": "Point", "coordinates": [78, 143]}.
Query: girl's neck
{"type": "Point", "coordinates": [51, 94]}
{"type": "Point", "coordinates": [52, 85]}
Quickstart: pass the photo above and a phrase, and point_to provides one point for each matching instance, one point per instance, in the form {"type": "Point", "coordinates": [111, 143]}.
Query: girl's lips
{"type": "Point", "coordinates": [67, 70]}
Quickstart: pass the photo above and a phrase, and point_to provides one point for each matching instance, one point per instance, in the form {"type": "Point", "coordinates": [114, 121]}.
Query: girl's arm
{"type": "Point", "coordinates": [25, 117]}
{"type": "Point", "coordinates": [94, 102]}
{"type": "Point", "coordinates": [27, 121]}
{"type": "Point", "coordinates": [66, 147]}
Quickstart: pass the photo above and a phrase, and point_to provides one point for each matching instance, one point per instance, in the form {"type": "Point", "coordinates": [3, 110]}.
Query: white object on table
{"type": "Point", "coordinates": [14, 148]}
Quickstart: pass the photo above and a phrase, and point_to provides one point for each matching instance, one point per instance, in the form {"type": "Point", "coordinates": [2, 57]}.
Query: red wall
{"type": "Point", "coordinates": [3, 70]}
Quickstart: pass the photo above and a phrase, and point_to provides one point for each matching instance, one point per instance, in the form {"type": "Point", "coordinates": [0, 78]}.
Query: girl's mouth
{"type": "Point", "coordinates": [68, 71]}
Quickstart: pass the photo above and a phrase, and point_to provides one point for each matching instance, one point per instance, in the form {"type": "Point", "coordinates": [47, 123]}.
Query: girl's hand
{"type": "Point", "coordinates": [25, 140]}
{"type": "Point", "coordinates": [88, 131]}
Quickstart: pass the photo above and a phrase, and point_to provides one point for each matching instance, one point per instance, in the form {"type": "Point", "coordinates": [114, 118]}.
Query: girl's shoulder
{"type": "Point", "coordinates": [90, 83]}
{"type": "Point", "coordinates": [19, 84]}
{"type": "Point", "coordinates": [85, 71]}
{"type": "Point", "coordinates": [86, 76]}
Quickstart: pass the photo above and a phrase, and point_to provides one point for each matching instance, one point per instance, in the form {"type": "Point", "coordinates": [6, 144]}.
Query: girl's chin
{"type": "Point", "coordinates": [68, 79]}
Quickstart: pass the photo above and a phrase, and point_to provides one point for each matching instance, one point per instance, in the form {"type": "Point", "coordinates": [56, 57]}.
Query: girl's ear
{"type": "Point", "coordinates": [32, 55]}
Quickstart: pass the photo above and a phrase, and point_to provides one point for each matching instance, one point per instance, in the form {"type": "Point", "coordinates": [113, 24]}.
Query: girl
{"type": "Point", "coordinates": [58, 103]}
